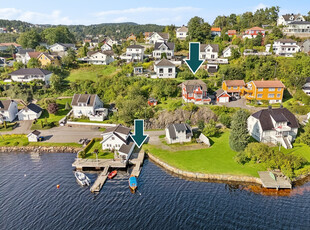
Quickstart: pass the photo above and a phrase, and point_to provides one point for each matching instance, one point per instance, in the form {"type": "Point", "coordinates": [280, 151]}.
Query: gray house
{"type": "Point", "coordinates": [178, 133]}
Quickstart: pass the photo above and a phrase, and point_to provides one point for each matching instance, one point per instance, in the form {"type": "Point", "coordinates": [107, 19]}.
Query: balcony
{"type": "Point", "coordinates": [248, 90]}
{"type": "Point", "coordinates": [249, 97]}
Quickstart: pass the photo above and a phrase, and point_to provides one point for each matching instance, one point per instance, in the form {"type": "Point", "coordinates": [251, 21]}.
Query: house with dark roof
{"type": "Point", "coordinates": [283, 47]}
{"type": "Point", "coordinates": [118, 139]}
{"type": "Point", "coordinates": [61, 47]}
{"type": "Point", "coordinates": [181, 33]}
{"type": "Point", "coordinates": [158, 37]}
{"type": "Point", "coordinates": [34, 136]}
{"type": "Point", "coordinates": [289, 18]}
{"type": "Point", "coordinates": [178, 133]}
{"type": "Point", "coordinates": [88, 105]}
{"type": "Point", "coordinates": [29, 112]}
{"type": "Point", "coordinates": [27, 75]}
{"type": "Point", "coordinates": [195, 91]}
{"type": "Point", "coordinates": [133, 53]}
{"type": "Point", "coordinates": [8, 110]}
{"type": "Point", "coordinates": [297, 29]}
{"type": "Point", "coordinates": [164, 69]}
{"type": "Point", "coordinates": [163, 47]}
{"type": "Point", "coordinates": [273, 126]}
{"type": "Point", "coordinates": [21, 55]}
{"type": "Point", "coordinates": [209, 51]}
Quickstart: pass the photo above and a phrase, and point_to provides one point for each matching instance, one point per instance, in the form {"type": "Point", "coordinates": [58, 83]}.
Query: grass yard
{"type": "Point", "coordinates": [52, 117]}
{"type": "Point", "coordinates": [218, 159]}
{"type": "Point", "coordinates": [102, 154]}
{"type": "Point", "coordinates": [91, 72]}
{"type": "Point", "coordinates": [170, 104]}
{"type": "Point", "coordinates": [9, 126]}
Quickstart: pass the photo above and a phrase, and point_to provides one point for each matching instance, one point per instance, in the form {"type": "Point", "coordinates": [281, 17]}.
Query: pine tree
{"type": "Point", "coordinates": [239, 135]}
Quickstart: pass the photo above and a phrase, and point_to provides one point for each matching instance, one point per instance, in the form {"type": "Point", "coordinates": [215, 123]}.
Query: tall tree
{"type": "Point", "coordinates": [34, 63]}
{"type": "Point", "coordinates": [29, 39]}
{"type": "Point", "coordinates": [239, 135]}
{"type": "Point", "coordinates": [198, 29]}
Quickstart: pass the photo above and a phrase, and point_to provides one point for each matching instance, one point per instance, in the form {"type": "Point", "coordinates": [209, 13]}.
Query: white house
{"type": "Point", "coordinates": [222, 96]}
{"type": "Point", "coordinates": [181, 33]}
{"type": "Point", "coordinates": [29, 112]}
{"type": "Point", "coordinates": [34, 136]}
{"type": "Point", "coordinates": [164, 69]}
{"type": "Point", "coordinates": [164, 47]}
{"type": "Point", "coordinates": [21, 55]}
{"type": "Point", "coordinates": [209, 51]}
{"type": "Point", "coordinates": [106, 47]}
{"type": "Point", "coordinates": [2, 62]}
{"type": "Point", "coordinates": [118, 138]}
{"type": "Point", "coordinates": [133, 53]}
{"type": "Point", "coordinates": [27, 75]}
{"type": "Point", "coordinates": [158, 37]}
{"type": "Point", "coordinates": [289, 18]}
{"type": "Point", "coordinates": [306, 86]}
{"type": "Point", "coordinates": [273, 126]}
{"type": "Point", "coordinates": [99, 57]}
{"type": "Point", "coordinates": [284, 47]}
{"type": "Point", "coordinates": [228, 50]}
{"type": "Point", "coordinates": [178, 133]}
{"type": "Point", "coordinates": [8, 110]}
{"type": "Point", "coordinates": [88, 105]}
{"type": "Point", "coordinates": [61, 47]}
{"type": "Point", "coordinates": [305, 46]}
{"type": "Point", "coordinates": [298, 29]}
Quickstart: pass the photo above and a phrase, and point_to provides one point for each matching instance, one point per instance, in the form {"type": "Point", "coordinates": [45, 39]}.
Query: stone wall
{"type": "Point", "coordinates": [41, 149]}
{"type": "Point", "coordinates": [192, 175]}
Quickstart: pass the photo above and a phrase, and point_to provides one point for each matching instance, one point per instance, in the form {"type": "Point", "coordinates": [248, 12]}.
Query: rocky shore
{"type": "Point", "coordinates": [41, 149]}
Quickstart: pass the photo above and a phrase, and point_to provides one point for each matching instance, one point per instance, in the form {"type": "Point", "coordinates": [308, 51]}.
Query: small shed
{"type": "Point", "coordinates": [222, 96]}
{"type": "Point", "coordinates": [138, 70]}
{"type": "Point", "coordinates": [152, 101]}
{"type": "Point", "coordinates": [203, 139]}
{"type": "Point", "coordinates": [34, 136]}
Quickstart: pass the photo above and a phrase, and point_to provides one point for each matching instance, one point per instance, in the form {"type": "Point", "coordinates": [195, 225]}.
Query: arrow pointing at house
{"type": "Point", "coordinates": [139, 137]}
{"type": "Point", "coordinates": [194, 62]}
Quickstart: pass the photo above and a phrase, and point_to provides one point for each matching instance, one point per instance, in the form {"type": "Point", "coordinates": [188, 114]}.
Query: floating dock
{"type": "Point", "coordinates": [138, 163]}
{"type": "Point", "coordinates": [80, 163]}
{"type": "Point", "coordinates": [101, 179]}
{"type": "Point", "coordinates": [275, 180]}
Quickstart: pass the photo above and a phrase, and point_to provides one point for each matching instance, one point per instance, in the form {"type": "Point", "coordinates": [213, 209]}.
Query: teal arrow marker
{"type": "Point", "coordinates": [194, 62]}
{"type": "Point", "coordinates": [139, 137]}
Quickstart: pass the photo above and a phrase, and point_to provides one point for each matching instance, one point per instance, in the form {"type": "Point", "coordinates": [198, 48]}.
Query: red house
{"type": "Point", "coordinates": [231, 33]}
{"type": "Point", "coordinates": [152, 101]}
{"type": "Point", "coordinates": [195, 91]}
{"type": "Point", "coordinates": [222, 96]}
{"type": "Point", "coordinates": [253, 32]}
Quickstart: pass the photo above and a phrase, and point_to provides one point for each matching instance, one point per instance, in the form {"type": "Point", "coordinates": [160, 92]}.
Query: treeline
{"type": "Point", "coordinates": [16, 24]}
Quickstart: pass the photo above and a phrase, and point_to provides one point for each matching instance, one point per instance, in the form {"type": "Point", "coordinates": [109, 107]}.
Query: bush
{"type": "Point", "coordinates": [225, 119]}
{"type": "Point", "coordinates": [16, 143]}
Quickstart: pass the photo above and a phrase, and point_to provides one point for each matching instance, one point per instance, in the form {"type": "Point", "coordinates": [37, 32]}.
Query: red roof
{"type": "Point", "coordinates": [256, 28]}
{"type": "Point", "coordinates": [267, 84]}
{"type": "Point", "coordinates": [216, 29]}
{"type": "Point", "coordinates": [231, 31]}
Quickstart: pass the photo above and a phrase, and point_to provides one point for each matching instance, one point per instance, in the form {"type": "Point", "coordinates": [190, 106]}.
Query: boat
{"type": "Point", "coordinates": [112, 174]}
{"type": "Point", "coordinates": [133, 184]}
{"type": "Point", "coordinates": [82, 178]}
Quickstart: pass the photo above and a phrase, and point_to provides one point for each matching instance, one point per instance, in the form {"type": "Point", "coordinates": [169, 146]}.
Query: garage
{"type": "Point", "coordinates": [222, 96]}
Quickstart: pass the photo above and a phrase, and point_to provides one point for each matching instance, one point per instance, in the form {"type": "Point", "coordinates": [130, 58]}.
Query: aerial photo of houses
{"type": "Point", "coordinates": [155, 115]}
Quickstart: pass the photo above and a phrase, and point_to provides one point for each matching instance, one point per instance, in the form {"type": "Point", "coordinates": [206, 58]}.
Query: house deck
{"type": "Point", "coordinates": [274, 180]}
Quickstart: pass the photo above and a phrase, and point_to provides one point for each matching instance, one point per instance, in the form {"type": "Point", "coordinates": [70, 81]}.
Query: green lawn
{"type": "Point", "coordinates": [91, 72]}
{"type": "Point", "coordinates": [9, 126]}
{"type": "Point", "coordinates": [218, 159]}
{"type": "Point", "coordinates": [53, 117]}
{"type": "Point", "coordinates": [102, 154]}
{"type": "Point", "coordinates": [170, 104]}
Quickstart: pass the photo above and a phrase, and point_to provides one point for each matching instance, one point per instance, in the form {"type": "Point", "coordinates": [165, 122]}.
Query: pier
{"type": "Point", "coordinates": [80, 163]}
{"type": "Point", "coordinates": [101, 179]}
{"type": "Point", "coordinates": [275, 180]}
{"type": "Point", "coordinates": [138, 163]}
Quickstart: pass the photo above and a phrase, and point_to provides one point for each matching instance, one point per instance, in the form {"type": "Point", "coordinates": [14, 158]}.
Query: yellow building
{"type": "Point", "coordinates": [233, 87]}
{"type": "Point", "coordinates": [47, 59]}
{"type": "Point", "coordinates": [271, 91]}
{"type": "Point", "coordinates": [132, 37]}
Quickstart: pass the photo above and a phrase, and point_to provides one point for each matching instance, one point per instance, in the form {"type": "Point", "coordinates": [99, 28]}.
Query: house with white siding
{"type": "Point", "coordinates": [286, 19]}
{"type": "Point", "coordinates": [61, 47]}
{"type": "Point", "coordinates": [273, 126]}
{"type": "Point", "coordinates": [163, 47]}
{"type": "Point", "coordinates": [34, 136]}
{"type": "Point", "coordinates": [306, 86]}
{"type": "Point", "coordinates": [158, 37]}
{"type": "Point", "coordinates": [283, 47]}
{"type": "Point", "coordinates": [27, 75]}
{"type": "Point", "coordinates": [98, 57]}
{"type": "Point", "coordinates": [133, 53]}
{"type": "Point", "coordinates": [164, 69]}
{"type": "Point", "coordinates": [182, 32]}
{"type": "Point", "coordinates": [178, 133]}
{"type": "Point", "coordinates": [29, 112]}
{"type": "Point", "coordinates": [209, 51]}
{"type": "Point", "coordinates": [8, 110]}
{"type": "Point", "coordinates": [227, 52]}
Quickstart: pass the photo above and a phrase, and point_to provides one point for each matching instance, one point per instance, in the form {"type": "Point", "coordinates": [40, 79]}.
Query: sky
{"type": "Point", "coordinates": [162, 12]}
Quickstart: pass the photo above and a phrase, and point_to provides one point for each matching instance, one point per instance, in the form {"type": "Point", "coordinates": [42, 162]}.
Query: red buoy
{"type": "Point", "coordinates": [58, 186]}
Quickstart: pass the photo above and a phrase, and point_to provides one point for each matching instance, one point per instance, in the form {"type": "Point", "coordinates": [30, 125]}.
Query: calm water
{"type": "Point", "coordinates": [29, 199]}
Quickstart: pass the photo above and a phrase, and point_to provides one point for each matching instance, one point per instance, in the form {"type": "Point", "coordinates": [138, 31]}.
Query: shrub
{"type": "Point", "coordinates": [225, 119]}
{"type": "Point", "coordinates": [16, 143]}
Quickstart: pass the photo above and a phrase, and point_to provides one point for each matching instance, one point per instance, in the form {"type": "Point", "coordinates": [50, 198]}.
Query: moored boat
{"type": "Point", "coordinates": [82, 178]}
{"type": "Point", "coordinates": [112, 174]}
{"type": "Point", "coordinates": [133, 184]}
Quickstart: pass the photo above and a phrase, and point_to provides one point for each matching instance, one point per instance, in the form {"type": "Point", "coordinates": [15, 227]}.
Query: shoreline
{"type": "Point", "coordinates": [40, 149]}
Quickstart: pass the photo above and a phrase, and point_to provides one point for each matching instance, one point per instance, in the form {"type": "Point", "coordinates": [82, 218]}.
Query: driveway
{"type": "Point", "coordinates": [23, 127]}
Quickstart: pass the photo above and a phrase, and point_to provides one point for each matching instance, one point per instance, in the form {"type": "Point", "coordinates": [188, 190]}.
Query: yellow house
{"type": "Point", "coordinates": [132, 37]}
{"type": "Point", "coordinates": [233, 87]}
{"type": "Point", "coordinates": [271, 91]}
{"type": "Point", "coordinates": [47, 59]}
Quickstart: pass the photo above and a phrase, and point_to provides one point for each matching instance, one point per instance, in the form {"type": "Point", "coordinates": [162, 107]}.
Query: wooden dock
{"type": "Point", "coordinates": [274, 180]}
{"type": "Point", "coordinates": [102, 177]}
{"type": "Point", "coordinates": [80, 163]}
{"type": "Point", "coordinates": [138, 163]}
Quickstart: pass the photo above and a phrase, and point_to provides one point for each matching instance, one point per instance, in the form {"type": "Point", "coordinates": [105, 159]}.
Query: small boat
{"type": "Point", "coordinates": [82, 178]}
{"type": "Point", "coordinates": [133, 184]}
{"type": "Point", "coordinates": [112, 174]}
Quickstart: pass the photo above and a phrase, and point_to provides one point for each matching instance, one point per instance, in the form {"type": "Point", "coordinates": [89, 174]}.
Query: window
{"type": "Point", "coordinates": [271, 95]}
{"type": "Point", "coordinates": [260, 89]}
{"type": "Point", "coordinates": [259, 95]}
{"type": "Point", "coordinates": [212, 56]}
{"type": "Point", "coordinates": [170, 70]}
{"type": "Point", "coordinates": [278, 95]}
{"type": "Point", "coordinates": [113, 138]}
{"type": "Point", "coordinates": [271, 89]}
{"type": "Point", "coordinates": [161, 70]}
{"type": "Point", "coordinates": [279, 89]}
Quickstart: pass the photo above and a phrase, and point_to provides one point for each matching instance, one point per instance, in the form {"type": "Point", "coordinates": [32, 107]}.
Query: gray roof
{"type": "Point", "coordinates": [89, 99]}
{"type": "Point", "coordinates": [173, 128]}
{"type": "Point", "coordinates": [219, 92]}
{"type": "Point", "coordinates": [68, 45]}
{"type": "Point", "coordinates": [215, 47]}
{"type": "Point", "coordinates": [229, 47]}
{"type": "Point", "coordinates": [164, 35]}
{"type": "Point", "coordinates": [33, 107]}
{"type": "Point", "coordinates": [24, 51]}
{"type": "Point", "coordinates": [36, 132]}
{"type": "Point", "coordinates": [191, 85]}
{"type": "Point", "coordinates": [2, 61]}
{"type": "Point", "coordinates": [279, 115]}
{"type": "Point", "coordinates": [126, 148]}
{"type": "Point", "coordinates": [5, 104]}
{"type": "Point", "coordinates": [135, 47]}
{"type": "Point", "coordinates": [31, 71]}
{"type": "Point", "coordinates": [285, 40]}
{"type": "Point", "coordinates": [106, 52]}
{"type": "Point", "coordinates": [300, 23]}
{"type": "Point", "coordinates": [182, 29]}
{"type": "Point", "coordinates": [165, 62]}
{"type": "Point", "coordinates": [287, 16]}
{"type": "Point", "coordinates": [170, 45]}
{"type": "Point", "coordinates": [118, 129]}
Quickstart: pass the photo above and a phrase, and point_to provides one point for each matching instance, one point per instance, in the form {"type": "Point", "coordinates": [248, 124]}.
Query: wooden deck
{"type": "Point", "coordinates": [278, 181]}
{"type": "Point", "coordinates": [100, 163]}
{"type": "Point", "coordinates": [102, 177]}
{"type": "Point", "coordinates": [138, 163]}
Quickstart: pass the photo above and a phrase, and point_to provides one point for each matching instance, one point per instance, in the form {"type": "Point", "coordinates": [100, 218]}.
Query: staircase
{"type": "Point", "coordinates": [286, 143]}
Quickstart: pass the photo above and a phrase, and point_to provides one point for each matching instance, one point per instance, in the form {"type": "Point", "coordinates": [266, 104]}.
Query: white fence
{"type": "Point", "coordinates": [90, 124]}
